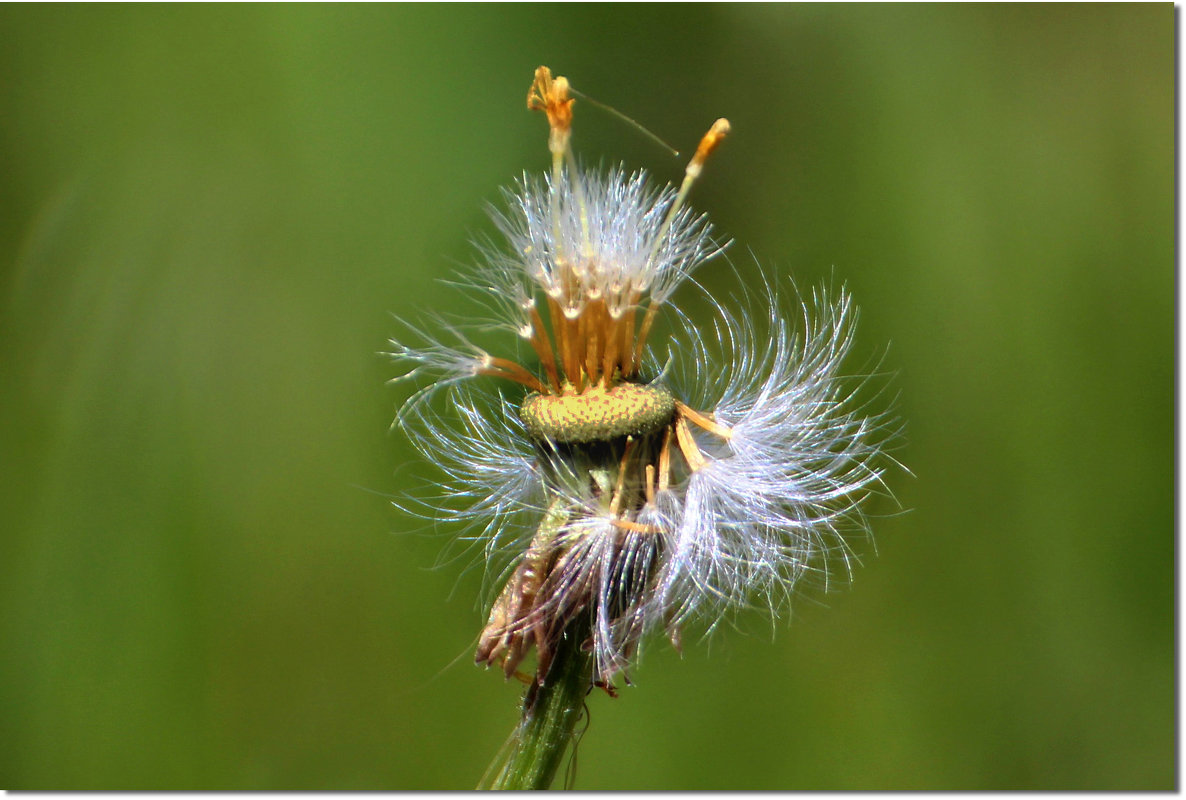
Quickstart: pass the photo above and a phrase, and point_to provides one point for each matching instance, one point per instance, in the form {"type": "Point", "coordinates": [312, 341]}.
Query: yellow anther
{"type": "Point", "coordinates": [710, 141]}
{"type": "Point", "coordinates": [550, 95]}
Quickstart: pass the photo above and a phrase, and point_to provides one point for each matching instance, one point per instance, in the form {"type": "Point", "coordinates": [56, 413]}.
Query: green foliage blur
{"type": "Point", "coordinates": [210, 214]}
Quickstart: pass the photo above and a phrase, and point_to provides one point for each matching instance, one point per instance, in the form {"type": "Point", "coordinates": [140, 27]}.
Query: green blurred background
{"type": "Point", "coordinates": [209, 214]}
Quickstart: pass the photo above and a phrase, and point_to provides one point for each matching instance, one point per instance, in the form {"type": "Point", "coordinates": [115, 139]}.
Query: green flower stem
{"type": "Point", "coordinates": [550, 715]}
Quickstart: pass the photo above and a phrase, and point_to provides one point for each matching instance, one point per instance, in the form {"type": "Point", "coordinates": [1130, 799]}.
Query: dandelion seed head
{"type": "Point", "coordinates": [653, 505]}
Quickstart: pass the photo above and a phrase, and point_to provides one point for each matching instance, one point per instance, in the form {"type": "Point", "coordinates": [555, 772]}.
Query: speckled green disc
{"type": "Point", "coordinates": [597, 414]}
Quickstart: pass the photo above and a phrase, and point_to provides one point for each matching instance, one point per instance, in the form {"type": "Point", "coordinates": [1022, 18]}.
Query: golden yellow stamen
{"type": "Point", "coordinates": [609, 357]}
{"type": "Point", "coordinates": [709, 142]}
{"type": "Point", "coordinates": [577, 375]}
{"type": "Point", "coordinates": [627, 360]}
{"type": "Point", "coordinates": [687, 445]}
{"type": "Point", "coordinates": [636, 527]}
{"type": "Point", "coordinates": [560, 330]}
{"type": "Point", "coordinates": [665, 461]}
{"type": "Point", "coordinates": [550, 95]}
{"type": "Point", "coordinates": [706, 422]}
{"type": "Point", "coordinates": [590, 331]}
{"type": "Point", "coordinates": [615, 503]}
{"type": "Point", "coordinates": [542, 344]}
{"type": "Point", "coordinates": [504, 368]}
{"type": "Point", "coordinates": [641, 339]}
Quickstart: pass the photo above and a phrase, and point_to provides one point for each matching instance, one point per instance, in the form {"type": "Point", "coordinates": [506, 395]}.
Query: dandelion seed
{"type": "Point", "coordinates": [659, 503]}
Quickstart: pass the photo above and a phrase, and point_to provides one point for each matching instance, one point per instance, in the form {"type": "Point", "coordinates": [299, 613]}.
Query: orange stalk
{"type": "Point", "coordinates": [609, 360]}
{"type": "Point", "coordinates": [641, 339]}
{"type": "Point", "coordinates": [626, 351]}
{"type": "Point", "coordinates": [542, 344]}
{"type": "Point", "coordinates": [503, 368]}
{"type": "Point", "coordinates": [589, 334]}
{"type": "Point", "coordinates": [616, 502]}
{"type": "Point", "coordinates": [575, 356]}
{"type": "Point", "coordinates": [560, 331]}
{"type": "Point", "coordinates": [687, 445]}
{"type": "Point", "coordinates": [636, 527]}
{"type": "Point", "coordinates": [706, 422]}
{"type": "Point", "coordinates": [665, 461]}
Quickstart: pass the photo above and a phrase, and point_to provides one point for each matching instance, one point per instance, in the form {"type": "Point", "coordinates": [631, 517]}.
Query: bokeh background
{"type": "Point", "coordinates": [211, 213]}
